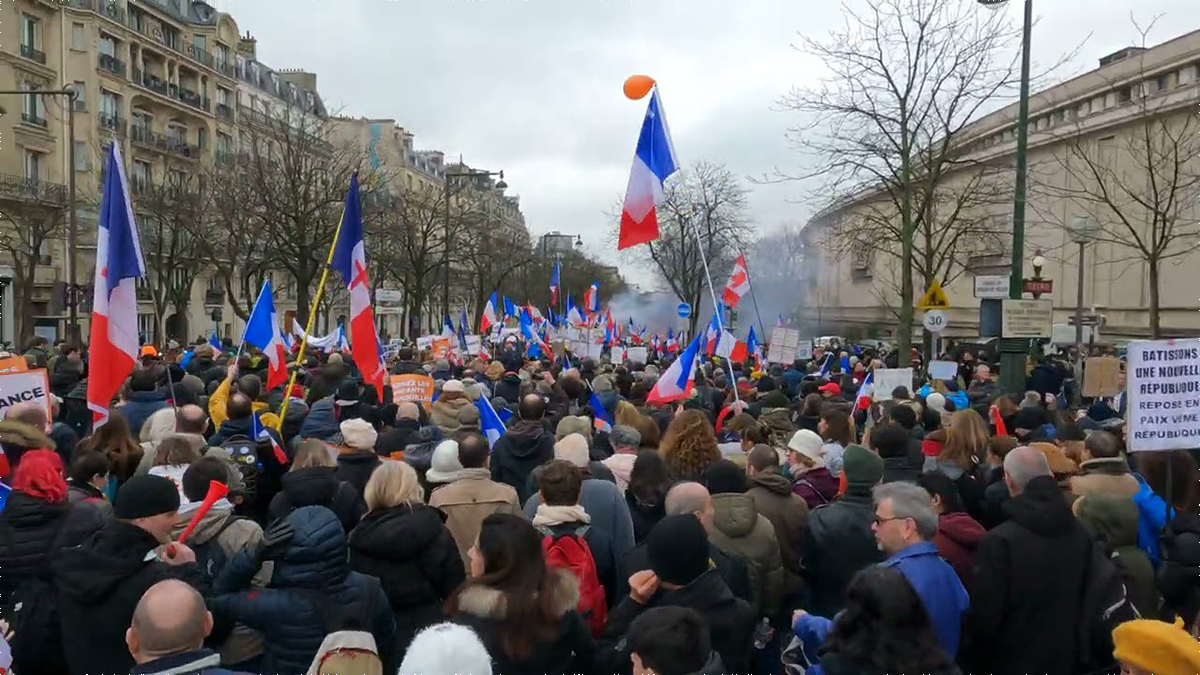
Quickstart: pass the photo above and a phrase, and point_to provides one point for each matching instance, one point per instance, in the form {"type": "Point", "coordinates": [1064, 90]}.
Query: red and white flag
{"type": "Point", "coordinates": [350, 260]}
{"type": "Point", "coordinates": [739, 283]}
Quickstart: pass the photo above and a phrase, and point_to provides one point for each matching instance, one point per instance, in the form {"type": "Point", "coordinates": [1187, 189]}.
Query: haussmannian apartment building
{"type": "Point", "coordinates": [1096, 113]}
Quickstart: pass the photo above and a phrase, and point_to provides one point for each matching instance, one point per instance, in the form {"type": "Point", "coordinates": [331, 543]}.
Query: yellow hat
{"type": "Point", "coordinates": [1158, 647]}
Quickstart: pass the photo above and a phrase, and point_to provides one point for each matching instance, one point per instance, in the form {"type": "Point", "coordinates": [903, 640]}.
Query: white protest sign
{"type": "Point", "coordinates": [887, 379]}
{"type": "Point", "coordinates": [637, 354]}
{"type": "Point", "coordinates": [943, 370]}
{"type": "Point", "coordinates": [595, 351]}
{"type": "Point", "coordinates": [785, 343]}
{"type": "Point", "coordinates": [1163, 386]}
{"type": "Point", "coordinates": [804, 349]}
{"type": "Point", "coordinates": [424, 342]}
{"type": "Point", "coordinates": [30, 386]}
{"type": "Point", "coordinates": [579, 348]}
{"type": "Point", "coordinates": [617, 355]}
{"type": "Point", "coordinates": [473, 345]}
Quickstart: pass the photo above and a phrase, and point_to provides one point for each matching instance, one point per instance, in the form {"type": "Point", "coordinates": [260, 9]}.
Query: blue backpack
{"type": "Point", "coordinates": [1152, 518]}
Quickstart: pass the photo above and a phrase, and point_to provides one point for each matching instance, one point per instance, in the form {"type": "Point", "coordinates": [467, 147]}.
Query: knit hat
{"type": "Point", "coordinates": [452, 386]}
{"type": "Point", "coordinates": [573, 424]}
{"type": "Point", "coordinates": [444, 465]}
{"type": "Point", "coordinates": [574, 449]}
{"type": "Point", "coordinates": [602, 384]}
{"type": "Point", "coordinates": [145, 496]}
{"type": "Point", "coordinates": [1156, 647]}
{"type": "Point", "coordinates": [358, 433]}
{"type": "Point", "coordinates": [863, 469]}
{"type": "Point", "coordinates": [446, 649]}
{"type": "Point", "coordinates": [807, 443]}
{"type": "Point", "coordinates": [347, 394]}
{"type": "Point", "coordinates": [936, 402]}
{"type": "Point", "coordinates": [677, 549]}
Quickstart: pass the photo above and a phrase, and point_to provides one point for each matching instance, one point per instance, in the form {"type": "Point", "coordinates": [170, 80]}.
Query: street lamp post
{"type": "Point", "coordinates": [1039, 261]}
{"type": "Point", "coordinates": [1013, 351]}
{"type": "Point", "coordinates": [470, 173]}
{"type": "Point", "coordinates": [1082, 231]}
{"type": "Point", "coordinates": [69, 93]}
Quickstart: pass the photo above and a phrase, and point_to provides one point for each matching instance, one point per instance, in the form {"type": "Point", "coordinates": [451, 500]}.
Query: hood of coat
{"type": "Point", "coordinates": [1042, 508]}
{"type": "Point", "coordinates": [397, 534]}
{"type": "Point", "coordinates": [525, 436]}
{"type": "Point", "coordinates": [209, 526]}
{"type": "Point", "coordinates": [734, 514]}
{"type": "Point", "coordinates": [91, 572]}
{"type": "Point", "coordinates": [316, 555]}
{"type": "Point", "coordinates": [620, 465]}
{"type": "Point", "coordinates": [486, 602]}
{"type": "Point", "coordinates": [772, 481]}
{"type": "Point", "coordinates": [1113, 517]}
{"type": "Point", "coordinates": [315, 486]}
{"type": "Point", "coordinates": [961, 528]}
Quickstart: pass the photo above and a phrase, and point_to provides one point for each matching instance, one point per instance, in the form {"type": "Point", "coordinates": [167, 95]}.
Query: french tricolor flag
{"type": "Point", "coordinates": [574, 316]}
{"type": "Point", "coordinates": [591, 298]}
{"type": "Point", "coordinates": [119, 264]}
{"type": "Point", "coordinates": [653, 161]}
{"type": "Point", "coordinates": [350, 260]}
{"type": "Point", "coordinates": [489, 317]}
{"type": "Point", "coordinates": [603, 421]}
{"type": "Point", "coordinates": [554, 280]}
{"type": "Point", "coordinates": [676, 381]}
{"type": "Point", "coordinates": [262, 331]}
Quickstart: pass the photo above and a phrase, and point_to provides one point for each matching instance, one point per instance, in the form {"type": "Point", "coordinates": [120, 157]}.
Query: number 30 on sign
{"type": "Point", "coordinates": [935, 320]}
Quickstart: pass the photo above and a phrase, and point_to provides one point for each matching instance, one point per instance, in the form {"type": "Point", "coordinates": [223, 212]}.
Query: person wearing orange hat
{"type": "Point", "coordinates": [149, 350]}
{"type": "Point", "coordinates": [1148, 647]}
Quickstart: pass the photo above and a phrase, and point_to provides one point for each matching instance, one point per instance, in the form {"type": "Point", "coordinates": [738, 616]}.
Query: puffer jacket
{"type": "Point", "coordinates": [738, 529]}
{"type": "Point", "coordinates": [84, 493]}
{"type": "Point", "coordinates": [410, 551]}
{"type": "Point", "coordinates": [957, 537]}
{"type": "Point", "coordinates": [32, 531]}
{"type": "Point", "coordinates": [139, 407]}
{"type": "Point", "coordinates": [1115, 520]}
{"type": "Point", "coordinates": [321, 422]}
{"type": "Point", "coordinates": [774, 500]}
{"type": "Point", "coordinates": [837, 543]}
{"type": "Point", "coordinates": [525, 446]}
{"type": "Point", "coordinates": [317, 486]}
{"type": "Point", "coordinates": [817, 487]}
{"type": "Point", "coordinates": [444, 411]}
{"type": "Point", "coordinates": [315, 562]}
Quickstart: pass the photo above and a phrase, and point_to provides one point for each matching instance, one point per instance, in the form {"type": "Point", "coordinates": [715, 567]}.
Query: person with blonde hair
{"type": "Point", "coordinates": [311, 481]}
{"type": "Point", "coordinates": [961, 457]}
{"type": "Point", "coordinates": [407, 546]}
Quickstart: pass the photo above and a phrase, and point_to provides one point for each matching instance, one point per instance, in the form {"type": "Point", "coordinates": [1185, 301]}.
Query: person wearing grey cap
{"type": "Point", "coordinates": [625, 441]}
{"type": "Point", "coordinates": [100, 582]}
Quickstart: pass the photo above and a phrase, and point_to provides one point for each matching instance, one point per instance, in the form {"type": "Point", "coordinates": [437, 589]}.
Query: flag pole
{"type": "Point", "coordinates": [754, 297]}
{"type": "Point", "coordinates": [308, 324]}
{"type": "Point", "coordinates": [716, 306]}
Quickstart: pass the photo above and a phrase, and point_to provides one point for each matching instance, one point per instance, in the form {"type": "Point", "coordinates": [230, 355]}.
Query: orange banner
{"type": "Point", "coordinates": [414, 388]}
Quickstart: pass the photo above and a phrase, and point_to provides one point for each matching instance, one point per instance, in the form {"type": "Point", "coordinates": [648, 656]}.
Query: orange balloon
{"type": "Point", "coordinates": [637, 86]}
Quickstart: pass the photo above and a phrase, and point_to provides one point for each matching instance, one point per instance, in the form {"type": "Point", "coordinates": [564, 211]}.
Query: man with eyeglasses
{"type": "Point", "coordinates": [904, 527]}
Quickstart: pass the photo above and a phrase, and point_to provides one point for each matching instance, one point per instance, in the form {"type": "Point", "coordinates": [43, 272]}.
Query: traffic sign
{"type": "Point", "coordinates": [935, 297]}
{"type": "Point", "coordinates": [935, 320]}
{"type": "Point", "coordinates": [684, 310]}
{"type": "Point", "coordinates": [991, 286]}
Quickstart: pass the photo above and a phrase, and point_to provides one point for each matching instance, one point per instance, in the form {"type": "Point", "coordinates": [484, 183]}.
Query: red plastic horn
{"type": "Point", "coordinates": [997, 420]}
{"type": "Point", "coordinates": [216, 491]}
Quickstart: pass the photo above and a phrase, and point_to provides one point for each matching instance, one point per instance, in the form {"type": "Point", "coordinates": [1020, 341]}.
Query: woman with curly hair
{"type": "Point", "coordinates": [689, 446]}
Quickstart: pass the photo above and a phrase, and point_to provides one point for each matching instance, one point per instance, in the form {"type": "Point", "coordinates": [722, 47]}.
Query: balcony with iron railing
{"type": "Point", "coordinates": [32, 190]}
{"type": "Point", "coordinates": [225, 112]}
{"type": "Point", "coordinates": [152, 82]}
{"type": "Point", "coordinates": [29, 52]}
{"type": "Point", "coordinates": [113, 123]}
{"type": "Point", "coordinates": [181, 147]}
{"type": "Point", "coordinates": [191, 98]}
{"type": "Point", "coordinates": [199, 54]}
{"type": "Point", "coordinates": [111, 64]}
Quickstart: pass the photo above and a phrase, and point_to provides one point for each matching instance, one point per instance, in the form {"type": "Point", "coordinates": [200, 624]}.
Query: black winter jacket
{"type": "Point", "coordinates": [645, 515]}
{"type": "Point", "coordinates": [837, 543]}
{"type": "Point", "coordinates": [100, 584]}
{"type": "Point", "coordinates": [731, 569]}
{"type": "Point", "coordinates": [291, 624]}
{"type": "Point", "coordinates": [731, 623]}
{"type": "Point", "coordinates": [1027, 584]}
{"type": "Point", "coordinates": [32, 531]}
{"type": "Point", "coordinates": [483, 609]}
{"type": "Point", "coordinates": [524, 447]}
{"type": "Point", "coordinates": [410, 551]}
{"type": "Point", "coordinates": [356, 468]}
{"type": "Point", "coordinates": [317, 486]}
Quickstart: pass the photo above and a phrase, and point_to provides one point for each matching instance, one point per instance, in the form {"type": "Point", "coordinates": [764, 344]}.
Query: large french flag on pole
{"type": "Point", "coordinates": [262, 331]}
{"type": "Point", "coordinates": [554, 280]}
{"type": "Point", "coordinates": [676, 381]}
{"type": "Point", "coordinates": [653, 161]}
{"type": "Point", "coordinates": [114, 337]}
{"type": "Point", "coordinates": [489, 317]}
{"type": "Point", "coordinates": [350, 260]}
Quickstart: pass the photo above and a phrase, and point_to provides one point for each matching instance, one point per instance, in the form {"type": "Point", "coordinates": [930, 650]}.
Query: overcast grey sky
{"type": "Point", "coordinates": [533, 87]}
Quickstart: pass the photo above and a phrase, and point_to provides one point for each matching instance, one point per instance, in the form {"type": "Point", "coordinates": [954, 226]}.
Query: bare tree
{"type": "Point", "coordinates": [577, 273]}
{"type": "Point", "coordinates": [238, 254]}
{"type": "Point", "coordinates": [167, 214]}
{"type": "Point", "coordinates": [33, 214]}
{"type": "Point", "coordinates": [907, 78]}
{"type": "Point", "coordinates": [407, 242]}
{"type": "Point", "coordinates": [485, 258]}
{"type": "Point", "coordinates": [705, 207]}
{"type": "Point", "coordinates": [1138, 187]}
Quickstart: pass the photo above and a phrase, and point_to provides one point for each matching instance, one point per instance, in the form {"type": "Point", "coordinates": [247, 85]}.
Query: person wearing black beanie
{"type": "Point", "coordinates": [101, 581]}
{"type": "Point", "coordinates": [681, 575]}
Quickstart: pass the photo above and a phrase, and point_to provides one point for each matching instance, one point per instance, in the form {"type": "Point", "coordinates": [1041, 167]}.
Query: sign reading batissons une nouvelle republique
{"type": "Point", "coordinates": [1163, 379]}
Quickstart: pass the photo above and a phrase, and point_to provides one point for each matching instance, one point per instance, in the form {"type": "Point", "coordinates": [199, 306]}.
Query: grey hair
{"type": "Point", "coordinates": [686, 497]}
{"type": "Point", "coordinates": [623, 436]}
{"type": "Point", "coordinates": [1023, 464]}
{"type": "Point", "coordinates": [910, 501]}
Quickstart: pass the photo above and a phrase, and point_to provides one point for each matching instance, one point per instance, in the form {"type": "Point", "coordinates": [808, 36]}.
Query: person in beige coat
{"type": "Point", "coordinates": [444, 411]}
{"type": "Point", "coordinates": [740, 530]}
{"type": "Point", "coordinates": [775, 501]}
{"type": "Point", "coordinates": [1104, 470]}
{"type": "Point", "coordinates": [471, 495]}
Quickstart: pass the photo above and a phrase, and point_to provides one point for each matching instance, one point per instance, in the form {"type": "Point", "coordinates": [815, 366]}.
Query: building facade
{"type": "Point", "coordinates": [172, 81]}
{"type": "Point", "coordinates": [1101, 147]}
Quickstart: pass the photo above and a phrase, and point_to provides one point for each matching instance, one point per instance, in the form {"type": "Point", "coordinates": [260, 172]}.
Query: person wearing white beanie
{"type": "Point", "coordinates": [936, 401]}
{"type": "Point", "coordinates": [444, 466]}
{"type": "Point", "coordinates": [446, 649]}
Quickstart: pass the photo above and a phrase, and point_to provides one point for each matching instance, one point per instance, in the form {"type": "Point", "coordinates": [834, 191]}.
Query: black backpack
{"type": "Point", "coordinates": [35, 634]}
{"type": "Point", "coordinates": [1104, 605]}
{"type": "Point", "coordinates": [244, 453]}
{"type": "Point", "coordinates": [210, 557]}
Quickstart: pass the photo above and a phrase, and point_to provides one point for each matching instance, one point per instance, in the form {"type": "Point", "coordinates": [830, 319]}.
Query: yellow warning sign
{"type": "Point", "coordinates": [934, 298]}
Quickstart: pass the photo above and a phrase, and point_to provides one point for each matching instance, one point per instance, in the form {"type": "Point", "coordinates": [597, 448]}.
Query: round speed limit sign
{"type": "Point", "coordinates": [935, 320]}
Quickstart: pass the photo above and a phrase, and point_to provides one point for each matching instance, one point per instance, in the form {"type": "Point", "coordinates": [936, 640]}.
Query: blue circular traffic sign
{"type": "Point", "coordinates": [684, 310]}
